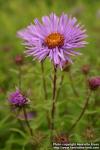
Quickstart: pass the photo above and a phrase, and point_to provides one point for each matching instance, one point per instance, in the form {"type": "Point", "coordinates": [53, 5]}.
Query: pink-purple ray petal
{"type": "Point", "coordinates": [35, 34]}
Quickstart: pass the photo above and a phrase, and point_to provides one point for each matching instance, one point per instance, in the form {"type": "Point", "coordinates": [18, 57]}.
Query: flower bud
{"type": "Point", "coordinates": [19, 59]}
{"type": "Point", "coordinates": [61, 139]}
{"type": "Point", "coordinates": [66, 66]}
{"type": "Point", "coordinates": [2, 90]}
{"type": "Point", "coordinates": [85, 69]}
{"type": "Point", "coordinates": [94, 83]}
{"type": "Point", "coordinates": [89, 133]}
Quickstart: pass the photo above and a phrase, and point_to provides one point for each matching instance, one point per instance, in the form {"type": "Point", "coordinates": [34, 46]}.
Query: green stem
{"type": "Point", "coordinates": [72, 84]}
{"type": "Point", "coordinates": [16, 116]}
{"type": "Point", "coordinates": [27, 122]}
{"type": "Point", "coordinates": [20, 77]}
{"type": "Point", "coordinates": [53, 103]}
{"type": "Point", "coordinates": [60, 86]}
{"type": "Point", "coordinates": [45, 91]}
{"type": "Point", "coordinates": [86, 82]}
{"type": "Point", "coordinates": [44, 81]}
{"type": "Point", "coordinates": [82, 112]}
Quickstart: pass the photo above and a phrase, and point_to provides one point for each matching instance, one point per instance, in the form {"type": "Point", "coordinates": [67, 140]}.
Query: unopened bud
{"type": "Point", "coordinates": [66, 66]}
{"type": "Point", "coordinates": [94, 83]}
{"type": "Point", "coordinates": [85, 69]}
{"type": "Point", "coordinates": [19, 59]}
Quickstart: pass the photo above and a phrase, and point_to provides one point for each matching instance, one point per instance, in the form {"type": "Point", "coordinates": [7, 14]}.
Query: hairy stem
{"type": "Point", "coordinates": [44, 81]}
{"type": "Point", "coordinates": [27, 122]}
{"type": "Point", "coordinates": [86, 82]}
{"type": "Point", "coordinates": [45, 91]}
{"type": "Point", "coordinates": [72, 84]}
{"type": "Point", "coordinates": [20, 77]}
{"type": "Point", "coordinates": [60, 86]}
{"type": "Point", "coordinates": [53, 103]}
{"type": "Point", "coordinates": [16, 113]}
{"type": "Point", "coordinates": [82, 112]}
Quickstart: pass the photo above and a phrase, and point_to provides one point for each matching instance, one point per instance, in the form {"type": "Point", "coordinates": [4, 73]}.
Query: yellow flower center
{"type": "Point", "coordinates": [54, 39]}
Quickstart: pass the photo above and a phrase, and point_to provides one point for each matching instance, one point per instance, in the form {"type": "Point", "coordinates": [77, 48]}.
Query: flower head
{"type": "Point", "coordinates": [94, 83]}
{"type": "Point", "coordinates": [61, 138]}
{"type": "Point", "coordinates": [56, 38]}
{"type": "Point", "coordinates": [17, 98]}
{"type": "Point", "coordinates": [85, 69]}
{"type": "Point", "coordinates": [66, 66]}
{"type": "Point", "coordinates": [19, 59]}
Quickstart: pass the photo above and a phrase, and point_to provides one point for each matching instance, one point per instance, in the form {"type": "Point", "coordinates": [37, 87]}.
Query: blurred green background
{"type": "Point", "coordinates": [17, 14]}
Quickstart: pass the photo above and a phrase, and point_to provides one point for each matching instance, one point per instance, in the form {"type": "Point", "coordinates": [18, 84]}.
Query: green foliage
{"type": "Point", "coordinates": [17, 14]}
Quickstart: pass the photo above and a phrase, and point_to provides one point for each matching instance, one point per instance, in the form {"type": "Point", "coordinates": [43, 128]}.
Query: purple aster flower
{"type": "Point", "coordinates": [56, 38]}
{"type": "Point", "coordinates": [17, 98]}
{"type": "Point", "coordinates": [94, 83]}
